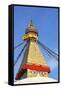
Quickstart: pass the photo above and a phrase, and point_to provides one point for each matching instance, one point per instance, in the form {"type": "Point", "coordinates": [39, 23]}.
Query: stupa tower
{"type": "Point", "coordinates": [33, 63]}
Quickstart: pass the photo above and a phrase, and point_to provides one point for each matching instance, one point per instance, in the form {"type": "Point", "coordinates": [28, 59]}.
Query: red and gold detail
{"type": "Point", "coordinates": [32, 67]}
{"type": "Point", "coordinates": [36, 67]}
{"type": "Point", "coordinates": [30, 35]}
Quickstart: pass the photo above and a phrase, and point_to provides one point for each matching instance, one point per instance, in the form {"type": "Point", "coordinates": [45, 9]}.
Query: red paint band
{"type": "Point", "coordinates": [37, 68]}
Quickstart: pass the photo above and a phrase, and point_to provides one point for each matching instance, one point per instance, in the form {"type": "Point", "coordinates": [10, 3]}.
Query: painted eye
{"type": "Point", "coordinates": [34, 72]}
{"type": "Point", "coordinates": [42, 73]}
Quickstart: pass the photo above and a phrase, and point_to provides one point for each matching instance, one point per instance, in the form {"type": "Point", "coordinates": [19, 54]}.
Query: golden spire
{"type": "Point", "coordinates": [31, 24]}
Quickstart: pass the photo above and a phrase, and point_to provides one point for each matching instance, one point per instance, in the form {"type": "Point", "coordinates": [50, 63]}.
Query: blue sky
{"type": "Point", "coordinates": [46, 22]}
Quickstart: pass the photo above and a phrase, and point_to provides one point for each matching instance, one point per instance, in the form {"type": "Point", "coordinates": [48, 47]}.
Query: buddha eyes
{"type": "Point", "coordinates": [37, 72]}
{"type": "Point", "coordinates": [43, 73]}
{"type": "Point", "coordinates": [34, 72]}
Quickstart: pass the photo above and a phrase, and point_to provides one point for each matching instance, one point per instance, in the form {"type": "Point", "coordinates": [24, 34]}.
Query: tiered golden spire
{"type": "Point", "coordinates": [30, 32]}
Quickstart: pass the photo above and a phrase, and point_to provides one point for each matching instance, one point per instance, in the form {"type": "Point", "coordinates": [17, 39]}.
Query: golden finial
{"type": "Point", "coordinates": [30, 24]}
